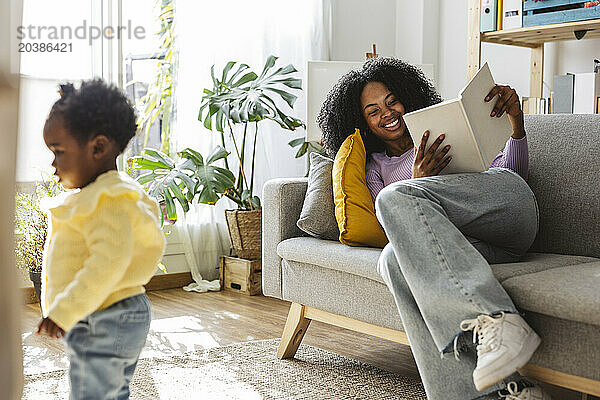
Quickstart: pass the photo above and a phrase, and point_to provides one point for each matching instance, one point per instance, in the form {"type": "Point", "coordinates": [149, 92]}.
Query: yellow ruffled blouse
{"type": "Point", "coordinates": [104, 243]}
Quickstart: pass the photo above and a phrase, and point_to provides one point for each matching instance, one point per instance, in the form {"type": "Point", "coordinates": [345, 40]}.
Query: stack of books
{"type": "Point", "coordinates": [501, 14]}
{"type": "Point", "coordinates": [536, 105]}
{"type": "Point", "coordinates": [576, 93]}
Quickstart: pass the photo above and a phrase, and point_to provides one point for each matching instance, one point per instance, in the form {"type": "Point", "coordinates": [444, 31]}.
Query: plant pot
{"type": "Point", "coordinates": [36, 279]}
{"type": "Point", "coordinates": [245, 231]}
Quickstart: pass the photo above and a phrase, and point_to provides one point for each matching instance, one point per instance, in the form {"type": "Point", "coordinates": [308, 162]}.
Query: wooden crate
{"type": "Point", "coordinates": [239, 275]}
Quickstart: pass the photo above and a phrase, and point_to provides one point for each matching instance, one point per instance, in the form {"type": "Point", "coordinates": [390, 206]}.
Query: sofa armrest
{"type": "Point", "coordinates": [282, 204]}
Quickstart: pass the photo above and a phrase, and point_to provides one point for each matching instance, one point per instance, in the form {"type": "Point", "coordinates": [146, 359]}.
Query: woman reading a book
{"type": "Point", "coordinates": [444, 231]}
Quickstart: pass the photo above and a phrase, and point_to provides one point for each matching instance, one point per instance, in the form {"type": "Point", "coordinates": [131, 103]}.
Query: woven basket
{"type": "Point", "coordinates": [245, 231]}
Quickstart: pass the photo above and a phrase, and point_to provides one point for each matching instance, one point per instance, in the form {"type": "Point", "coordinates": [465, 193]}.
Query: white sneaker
{"type": "Point", "coordinates": [530, 393]}
{"type": "Point", "coordinates": [505, 344]}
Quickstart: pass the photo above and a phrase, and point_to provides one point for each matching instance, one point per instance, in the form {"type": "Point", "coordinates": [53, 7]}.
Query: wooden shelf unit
{"type": "Point", "coordinates": [532, 37]}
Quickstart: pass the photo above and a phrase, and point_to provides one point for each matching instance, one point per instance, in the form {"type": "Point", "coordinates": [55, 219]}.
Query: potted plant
{"type": "Point", "coordinates": [31, 227]}
{"type": "Point", "coordinates": [239, 97]}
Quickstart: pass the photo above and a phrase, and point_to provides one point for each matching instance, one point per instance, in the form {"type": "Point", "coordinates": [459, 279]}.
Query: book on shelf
{"type": "Point", "coordinates": [536, 105]}
{"type": "Point", "coordinates": [512, 14]}
{"type": "Point", "coordinates": [475, 137]}
{"type": "Point", "coordinates": [488, 17]}
{"type": "Point", "coordinates": [585, 92]}
{"type": "Point", "coordinates": [562, 95]}
{"type": "Point", "coordinates": [499, 15]}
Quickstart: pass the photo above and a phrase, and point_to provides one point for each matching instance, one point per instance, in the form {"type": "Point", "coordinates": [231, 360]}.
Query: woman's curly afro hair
{"type": "Point", "coordinates": [341, 112]}
{"type": "Point", "coordinates": [96, 108]}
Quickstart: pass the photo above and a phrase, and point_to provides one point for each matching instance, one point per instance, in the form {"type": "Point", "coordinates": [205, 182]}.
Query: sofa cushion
{"type": "Point", "coordinates": [318, 211]}
{"type": "Point", "coordinates": [536, 262]}
{"type": "Point", "coordinates": [354, 208]}
{"type": "Point", "coordinates": [570, 293]}
{"type": "Point", "coordinates": [563, 174]}
{"type": "Point", "coordinates": [362, 261]}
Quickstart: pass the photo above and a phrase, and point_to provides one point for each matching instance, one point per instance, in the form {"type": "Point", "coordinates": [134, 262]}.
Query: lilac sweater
{"type": "Point", "coordinates": [382, 170]}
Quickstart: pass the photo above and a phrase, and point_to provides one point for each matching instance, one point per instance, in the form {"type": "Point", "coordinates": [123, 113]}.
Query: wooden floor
{"type": "Point", "coordinates": [183, 321]}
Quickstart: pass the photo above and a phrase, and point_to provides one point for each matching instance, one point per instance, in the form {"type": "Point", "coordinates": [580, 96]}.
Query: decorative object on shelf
{"type": "Point", "coordinates": [548, 12]}
{"type": "Point", "coordinates": [373, 54]}
{"type": "Point", "coordinates": [31, 225]}
{"type": "Point", "coordinates": [240, 275]}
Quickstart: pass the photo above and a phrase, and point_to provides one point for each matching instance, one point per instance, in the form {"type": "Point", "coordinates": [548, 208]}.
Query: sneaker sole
{"type": "Point", "coordinates": [484, 381]}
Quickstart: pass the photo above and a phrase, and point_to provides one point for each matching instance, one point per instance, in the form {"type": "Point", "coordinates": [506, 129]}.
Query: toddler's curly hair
{"type": "Point", "coordinates": [341, 112]}
{"type": "Point", "coordinates": [96, 108]}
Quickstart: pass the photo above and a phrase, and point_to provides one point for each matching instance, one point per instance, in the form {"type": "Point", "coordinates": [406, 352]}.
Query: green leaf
{"type": "Point", "coordinates": [176, 191]}
{"type": "Point", "coordinates": [145, 163]}
{"type": "Point", "coordinates": [293, 83]}
{"type": "Point", "coordinates": [192, 155]}
{"type": "Point", "coordinates": [145, 178]}
{"type": "Point", "coordinates": [250, 76]}
{"type": "Point", "coordinates": [160, 156]}
{"type": "Point", "coordinates": [268, 65]}
{"type": "Point", "coordinates": [229, 65]}
{"type": "Point", "coordinates": [217, 154]}
{"type": "Point", "coordinates": [289, 98]}
{"type": "Point", "coordinates": [296, 142]}
{"type": "Point", "coordinates": [170, 206]}
{"type": "Point", "coordinates": [256, 202]}
{"type": "Point", "coordinates": [302, 150]}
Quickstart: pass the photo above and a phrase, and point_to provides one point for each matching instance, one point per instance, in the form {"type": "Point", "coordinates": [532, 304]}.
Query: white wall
{"type": "Point", "coordinates": [357, 24]}
{"type": "Point", "coordinates": [435, 31]}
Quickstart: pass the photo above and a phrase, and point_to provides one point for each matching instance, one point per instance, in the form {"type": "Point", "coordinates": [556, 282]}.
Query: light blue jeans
{"type": "Point", "coordinates": [444, 231]}
{"type": "Point", "coordinates": [104, 348]}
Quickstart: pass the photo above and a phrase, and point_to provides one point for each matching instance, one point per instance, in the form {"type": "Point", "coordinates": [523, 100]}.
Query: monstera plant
{"type": "Point", "coordinates": [190, 177]}
{"type": "Point", "coordinates": [242, 97]}
{"type": "Point", "coordinates": [237, 103]}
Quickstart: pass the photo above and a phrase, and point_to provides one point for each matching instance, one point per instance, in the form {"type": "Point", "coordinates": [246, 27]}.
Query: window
{"type": "Point", "coordinates": [47, 23]}
{"type": "Point", "coordinates": [111, 39]}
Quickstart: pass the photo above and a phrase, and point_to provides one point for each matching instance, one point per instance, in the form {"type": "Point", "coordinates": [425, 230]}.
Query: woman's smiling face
{"type": "Point", "coordinates": [382, 111]}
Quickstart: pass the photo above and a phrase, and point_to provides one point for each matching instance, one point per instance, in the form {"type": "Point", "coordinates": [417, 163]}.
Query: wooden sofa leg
{"type": "Point", "coordinates": [293, 332]}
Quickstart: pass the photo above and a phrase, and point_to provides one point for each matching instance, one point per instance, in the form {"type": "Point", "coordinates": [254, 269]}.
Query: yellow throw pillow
{"type": "Point", "coordinates": [354, 209]}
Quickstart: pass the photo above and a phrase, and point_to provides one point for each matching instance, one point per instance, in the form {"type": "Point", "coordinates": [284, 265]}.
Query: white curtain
{"type": "Point", "coordinates": [215, 32]}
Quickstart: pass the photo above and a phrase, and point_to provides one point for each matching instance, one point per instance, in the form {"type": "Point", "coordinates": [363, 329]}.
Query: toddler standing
{"type": "Point", "coordinates": [104, 243]}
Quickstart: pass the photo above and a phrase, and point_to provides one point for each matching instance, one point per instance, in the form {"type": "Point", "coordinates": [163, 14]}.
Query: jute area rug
{"type": "Point", "coordinates": [251, 371]}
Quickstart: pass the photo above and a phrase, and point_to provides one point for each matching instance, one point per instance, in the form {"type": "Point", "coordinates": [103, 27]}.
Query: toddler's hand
{"type": "Point", "coordinates": [49, 328]}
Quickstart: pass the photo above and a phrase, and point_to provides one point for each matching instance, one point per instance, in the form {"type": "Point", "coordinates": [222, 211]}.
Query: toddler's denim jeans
{"type": "Point", "coordinates": [104, 349]}
{"type": "Point", "coordinates": [444, 231]}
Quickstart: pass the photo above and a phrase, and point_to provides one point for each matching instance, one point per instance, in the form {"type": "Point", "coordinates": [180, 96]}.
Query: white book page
{"type": "Point", "coordinates": [491, 133]}
{"type": "Point", "coordinates": [447, 118]}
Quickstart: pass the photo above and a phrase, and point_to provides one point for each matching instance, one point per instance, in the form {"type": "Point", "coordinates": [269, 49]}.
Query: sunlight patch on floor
{"type": "Point", "coordinates": [177, 335]}
{"type": "Point", "coordinates": [167, 337]}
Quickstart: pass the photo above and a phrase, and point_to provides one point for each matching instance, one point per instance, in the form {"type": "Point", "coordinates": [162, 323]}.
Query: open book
{"type": "Point", "coordinates": [475, 137]}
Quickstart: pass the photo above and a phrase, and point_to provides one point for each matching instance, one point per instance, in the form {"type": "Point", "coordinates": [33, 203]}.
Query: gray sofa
{"type": "Point", "coordinates": [557, 285]}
